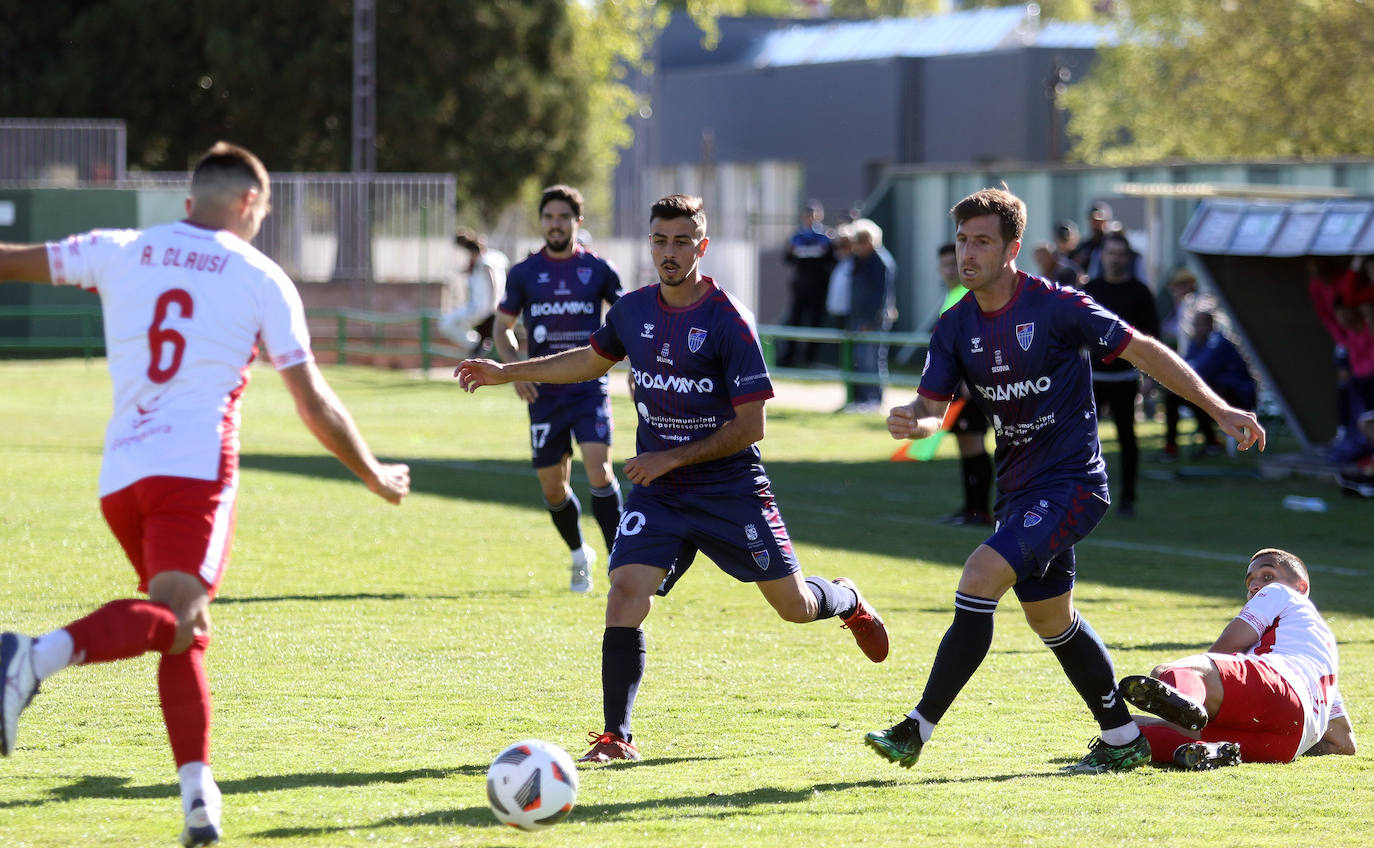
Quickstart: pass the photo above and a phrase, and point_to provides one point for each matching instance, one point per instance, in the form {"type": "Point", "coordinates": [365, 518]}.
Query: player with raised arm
{"type": "Point", "coordinates": [700, 386]}
{"type": "Point", "coordinates": [558, 293]}
{"type": "Point", "coordinates": [1265, 692]}
{"type": "Point", "coordinates": [185, 307]}
{"type": "Point", "coordinates": [1022, 344]}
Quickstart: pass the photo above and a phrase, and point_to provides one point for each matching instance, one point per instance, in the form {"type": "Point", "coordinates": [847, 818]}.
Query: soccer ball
{"type": "Point", "coordinates": [532, 785]}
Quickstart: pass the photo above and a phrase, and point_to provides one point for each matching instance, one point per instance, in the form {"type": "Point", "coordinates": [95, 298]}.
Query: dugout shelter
{"type": "Point", "coordinates": [1255, 255]}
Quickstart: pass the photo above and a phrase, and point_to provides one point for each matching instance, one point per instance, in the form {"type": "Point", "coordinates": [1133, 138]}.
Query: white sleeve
{"type": "Point", "coordinates": [1264, 609]}
{"type": "Point", "coordinates": [1333, 695]}
{"type": "Point", "coordinates": [284, 330]}
{"type": "Point", "coordinates": [78, 260]}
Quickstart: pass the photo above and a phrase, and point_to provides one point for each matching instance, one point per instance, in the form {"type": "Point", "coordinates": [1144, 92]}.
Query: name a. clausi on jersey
{"type": "Point", "coordinates": [1008, 391]}
{"type": "Point", "coordinates": [682, 385]}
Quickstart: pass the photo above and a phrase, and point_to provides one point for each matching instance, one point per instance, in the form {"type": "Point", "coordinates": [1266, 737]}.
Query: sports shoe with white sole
{"type": "Point", "coordinates": [582, 561]}
{"type": "Point", "coordinates": [202, 825]}
{"type": "Point", "coordinates": [19, 685]}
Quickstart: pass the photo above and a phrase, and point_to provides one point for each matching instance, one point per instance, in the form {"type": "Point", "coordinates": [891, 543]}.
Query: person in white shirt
{"type": "Point", "coordinates": [471, 324]}
{"type": "Point", "coordinates": [1266, 690]}
{"type": "Point", "coordinates": [185, 307]}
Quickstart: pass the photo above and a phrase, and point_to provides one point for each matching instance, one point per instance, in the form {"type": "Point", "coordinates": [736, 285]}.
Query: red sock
{"type": "Point", "coordinates": [185, 695]}
{"type": "Point", "coordinates": [1188, 682]}
{"type": "Point", "coordinates": [1164, 741]}
{"type": "Point", "coordinates": [122, 629]}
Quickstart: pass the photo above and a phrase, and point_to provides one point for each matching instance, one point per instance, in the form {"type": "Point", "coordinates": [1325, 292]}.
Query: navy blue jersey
{"type": "Point", "coordinates": [1028, 369]}
{"type": "Point", "coordinates": [560, 303]}
{"type": "Point", "coordinates": [692, 366]}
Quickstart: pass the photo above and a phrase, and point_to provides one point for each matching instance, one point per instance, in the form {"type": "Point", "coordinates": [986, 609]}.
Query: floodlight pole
{"type": "Point", "coordinates": [364, 138]}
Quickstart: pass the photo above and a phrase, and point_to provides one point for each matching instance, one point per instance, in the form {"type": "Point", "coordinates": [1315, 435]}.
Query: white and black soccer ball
{"type": "Point", "coordinates": [532, 785]}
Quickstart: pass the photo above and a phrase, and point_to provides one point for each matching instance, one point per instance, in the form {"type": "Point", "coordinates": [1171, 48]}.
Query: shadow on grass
{"type": "Point", "coordinates": [375, 596]}
{"type": "Point", "coordinates": [715, 805]}
{"type": "Point", "coordinates": [112, 787]}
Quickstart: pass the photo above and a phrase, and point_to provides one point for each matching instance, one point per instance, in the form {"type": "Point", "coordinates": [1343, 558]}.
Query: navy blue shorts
{"type": "Point", "coordinates": [555, 421]}
{"type": "Point", "coordinates": [742, 533]}
{"type": "Point", "coordinates": [1036, 533]}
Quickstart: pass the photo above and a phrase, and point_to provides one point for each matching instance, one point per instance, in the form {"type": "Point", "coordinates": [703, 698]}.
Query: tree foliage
{"type": "Point", "coordinates": [1225, 79]}
{"type": "Point", "coordinates": [498, 92]}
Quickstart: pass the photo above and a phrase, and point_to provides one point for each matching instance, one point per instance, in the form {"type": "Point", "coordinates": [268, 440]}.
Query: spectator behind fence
{"type": "Point", "coordinates": [841, 283]}
{"type": "Point", "coordinates": [1065, 243]}
{"type": "Point", "coordinates": [469, 325]}
{"type": "Point", "coordinates": [1051, 266]}
{"type": "Point", "coordinates": [812, 256]}
{"type": "Point", "coordinates": [872, 307]}
{"type": "Point", "coordinates": [1116, 383]}
{"type": "Point", "coordinates": [1219, 363]}
{"type": "Point", "coordinates": [1330, 288]}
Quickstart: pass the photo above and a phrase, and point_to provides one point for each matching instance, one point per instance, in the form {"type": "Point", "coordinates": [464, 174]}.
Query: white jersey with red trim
{"type": "Point", "coordinates": [1294, 640]}
{"type": "Point", "coordinates": [184, 308]}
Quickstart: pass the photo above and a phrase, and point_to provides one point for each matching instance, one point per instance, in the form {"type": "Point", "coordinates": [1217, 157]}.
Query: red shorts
{"type": "Point", "coordinates": [174, 524]}
{"type": "Point", "coordinates": [1256, 699]}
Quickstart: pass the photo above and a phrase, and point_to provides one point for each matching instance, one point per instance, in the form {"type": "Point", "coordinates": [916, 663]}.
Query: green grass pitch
{"type": "Point", "coordinates": [369, 661]}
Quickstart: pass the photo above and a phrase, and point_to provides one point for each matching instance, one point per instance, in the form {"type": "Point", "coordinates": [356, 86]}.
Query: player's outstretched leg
{"type": "Point", "coordinates": [1203, 756]}
{"type": "Point", "coordinates": [20, 685]}
{"type": "Point", "coordinates": [865, 623]}
{"type": "Point", "coordinates": [900, 743]}
{"type": "Point", "coordinates": [1103, 758]}
{"type": "Point", "coordinates": [1159, 698]}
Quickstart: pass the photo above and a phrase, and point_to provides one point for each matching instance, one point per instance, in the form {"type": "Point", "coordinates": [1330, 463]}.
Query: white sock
{"type": "Point", "coordinates": [52, 652]}
{"type": "Point", "coordinates": [197, 782]}
{"type": "Point", "coordinates": [927, 726]}
{"type": "Point", "coordinates": [1122, 735]}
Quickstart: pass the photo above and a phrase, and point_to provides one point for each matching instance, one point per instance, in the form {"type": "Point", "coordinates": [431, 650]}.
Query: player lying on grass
{"type": "Point", "coordinates": [1265, 692]}
{"type": "Point", "coordinates": [700, 385]}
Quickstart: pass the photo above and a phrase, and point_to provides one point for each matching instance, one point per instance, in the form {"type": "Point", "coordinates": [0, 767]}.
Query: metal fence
{"type": "Point", "coordinates": [318, 230]}
{"type": "Point", "coordinates": [61, 152]}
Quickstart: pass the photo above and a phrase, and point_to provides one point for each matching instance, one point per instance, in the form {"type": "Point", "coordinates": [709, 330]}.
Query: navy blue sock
{"type": "Point", "coordinates": [622, 668]}
{"type": "Point", "coordinates": [832, 599]}
{"type": "Point", "coordinates": [567, 517]}
{"type": "Point", "coordinates": [606, 507]}
{"type": "Point", "coordinates": [1089, 668]}
{"type": "Point", "coordinates": [961, 651]}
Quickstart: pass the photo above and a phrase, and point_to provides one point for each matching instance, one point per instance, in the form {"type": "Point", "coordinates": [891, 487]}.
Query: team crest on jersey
{"type": "Point", "coordinates": [761, 560]}
{"type": "Point", "coordinates": [1024, 334]}
{"type": "Point", "coordinates": [584, 275]}
{"type": "Point", "coordinates": [696, 337]}
{"type": "Point", "coordinates": [1030, 519]}
{"type": "Point", "coordinates": [751, 533]}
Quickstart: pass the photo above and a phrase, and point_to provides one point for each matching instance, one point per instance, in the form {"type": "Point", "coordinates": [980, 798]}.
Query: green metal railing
{"type": "Point", "coordinates": [89, 338]}
{"type": "Point", "coordinates": [361, 332]}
